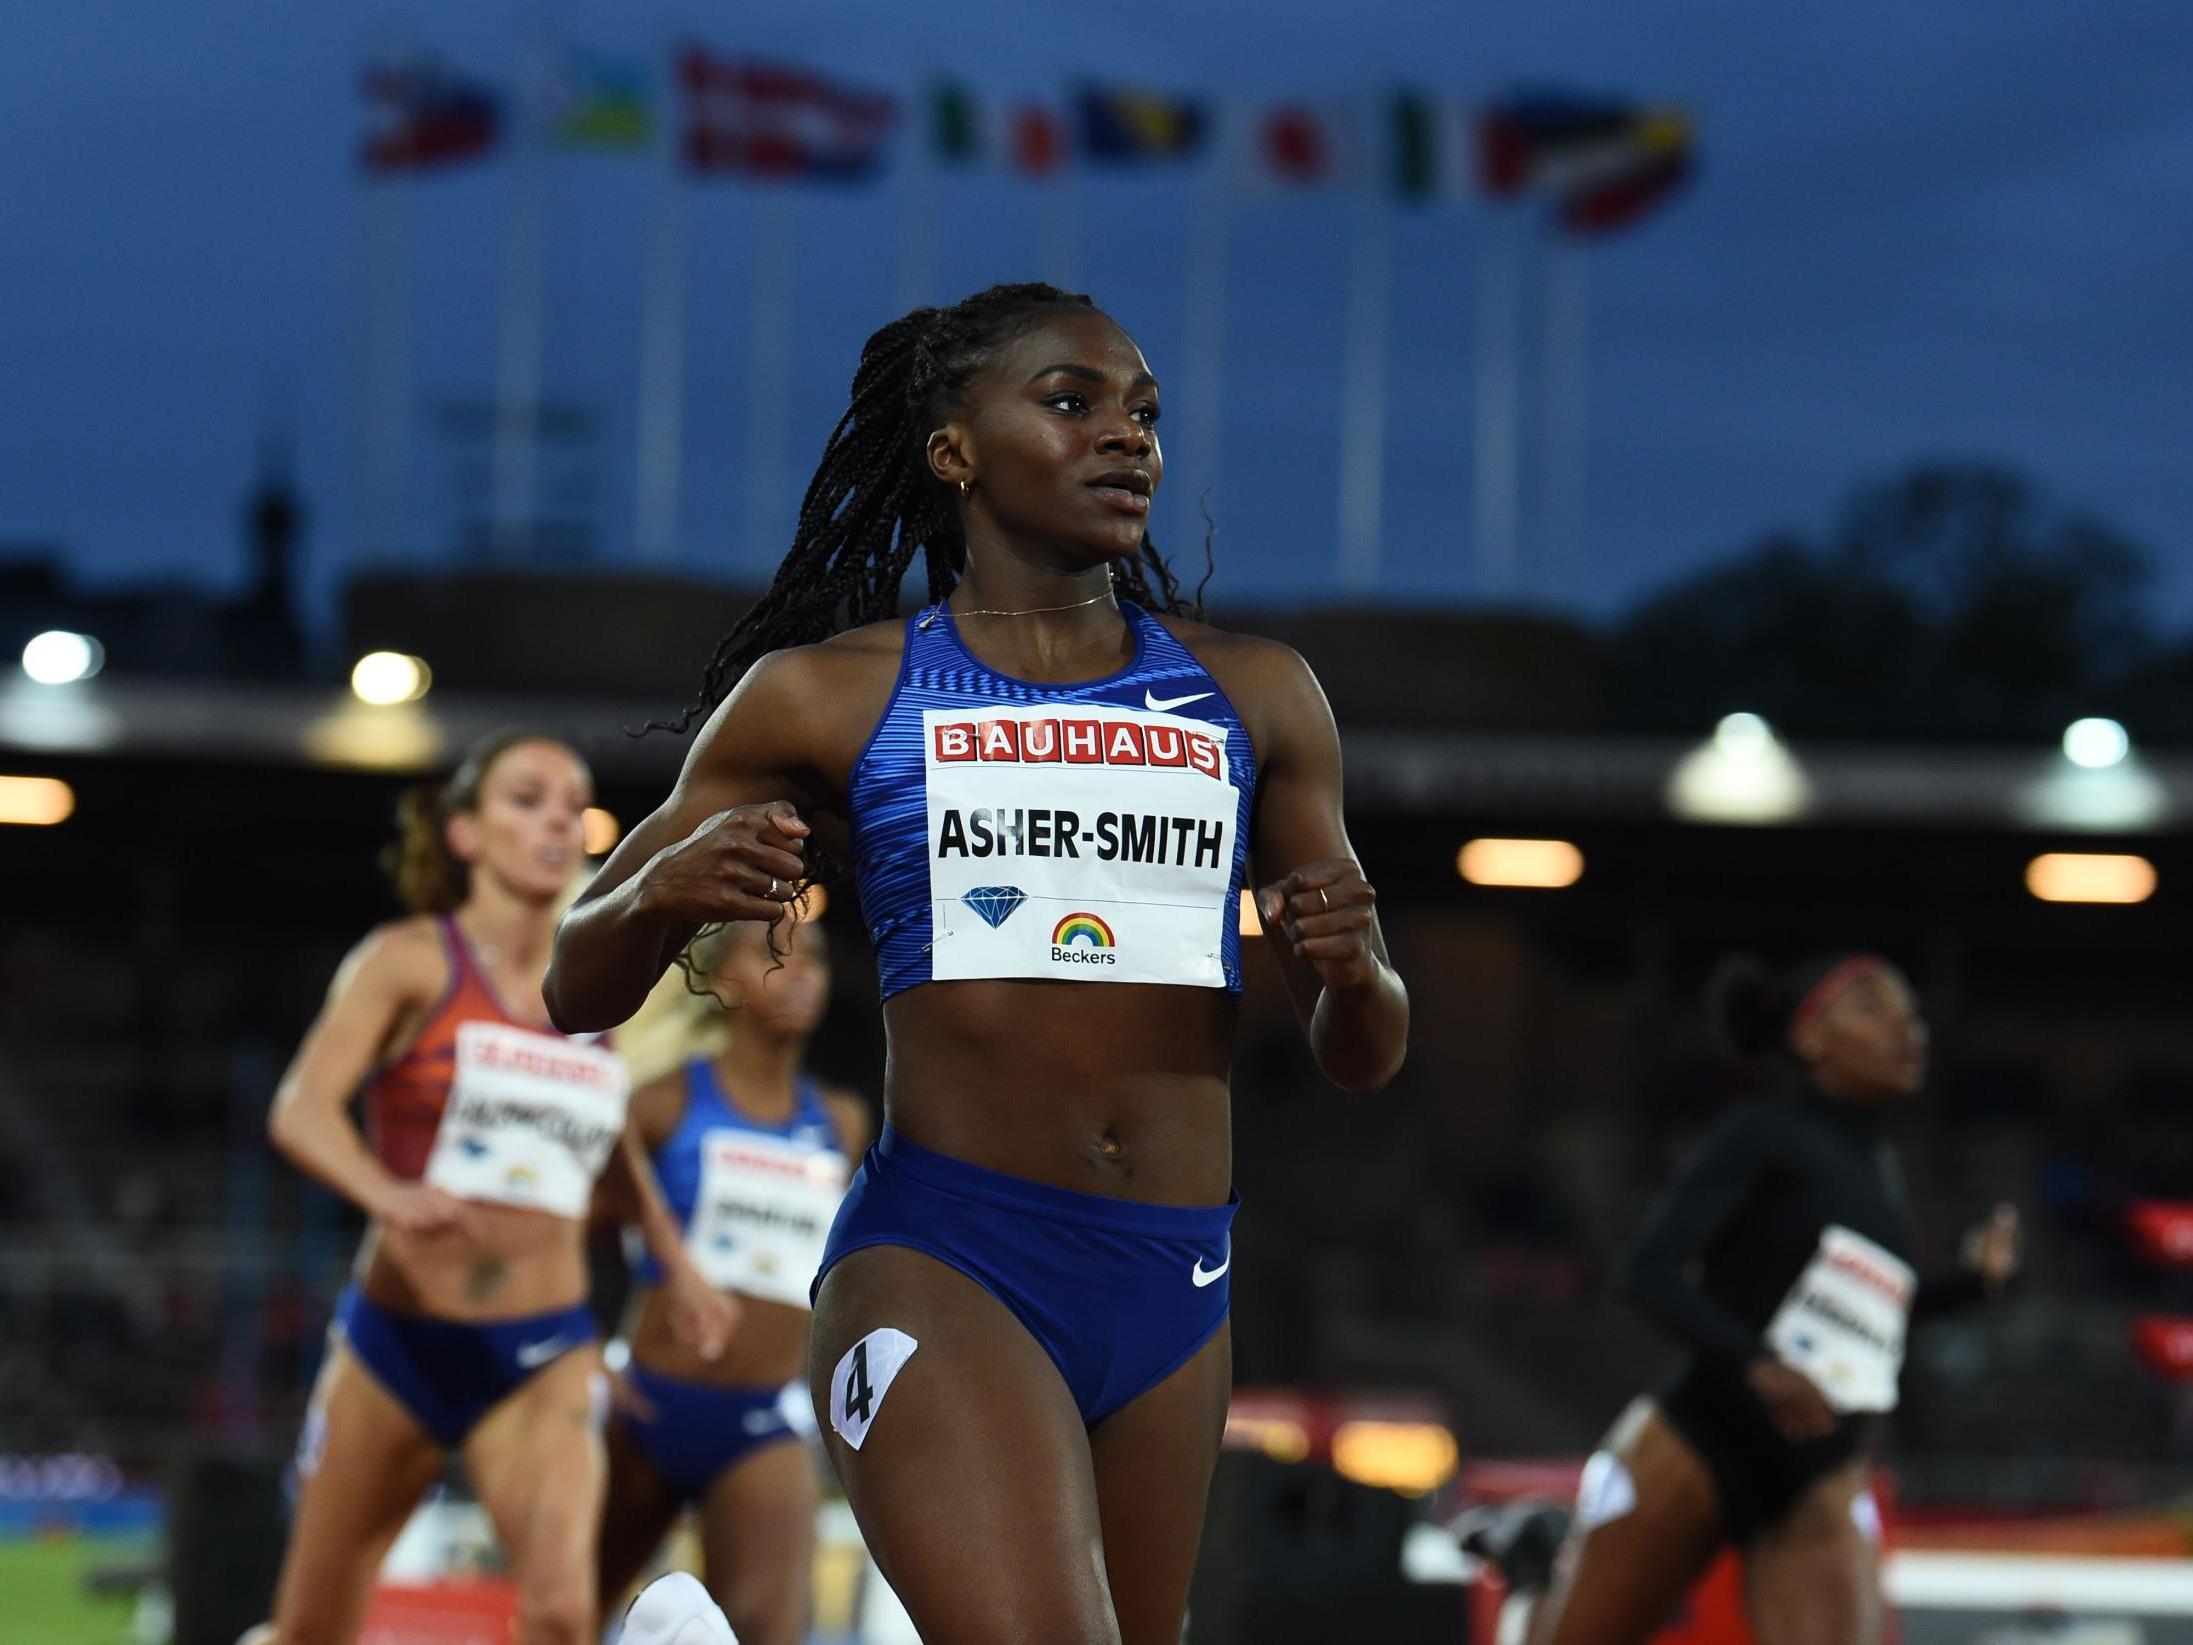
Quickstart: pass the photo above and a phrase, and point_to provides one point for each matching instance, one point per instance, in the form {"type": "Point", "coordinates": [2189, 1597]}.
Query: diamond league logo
{"type": "Point", "coordinates": [995, 903]}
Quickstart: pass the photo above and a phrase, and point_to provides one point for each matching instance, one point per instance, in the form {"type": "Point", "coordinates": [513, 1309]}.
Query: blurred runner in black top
{"type": "Point", "coordinates": [1781, 1258]}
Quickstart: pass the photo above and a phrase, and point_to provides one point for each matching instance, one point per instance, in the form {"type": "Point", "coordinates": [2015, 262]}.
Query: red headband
{"type": "Point", "coordinates": [1823, 992]}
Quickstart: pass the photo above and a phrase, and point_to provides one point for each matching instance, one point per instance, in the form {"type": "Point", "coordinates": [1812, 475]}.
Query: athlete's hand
{"type": "Point", "coordinates": [741, 864]}
{"type": "Point", "coordinates": [701, 1316]}
{"type": "Point", "coordinates": [416, 1208]}
{"type": "Point", "coordinates": [1795, 1405]}
{"type": "Point", "coordinates": [1993, 1248]}
{"type": "Point", "coordinates": [1324, 910]}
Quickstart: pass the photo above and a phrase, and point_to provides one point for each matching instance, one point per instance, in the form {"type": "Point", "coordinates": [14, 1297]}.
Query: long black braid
{"type": "Point", "coordinates": [874, 502]}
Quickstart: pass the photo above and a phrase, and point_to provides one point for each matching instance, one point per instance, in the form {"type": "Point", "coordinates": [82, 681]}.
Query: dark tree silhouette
{"type": "Point", "coordinates": [1951, 601]}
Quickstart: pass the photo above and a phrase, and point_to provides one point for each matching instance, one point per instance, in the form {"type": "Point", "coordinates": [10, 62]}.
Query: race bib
{"type": "Point", "coordinates": [530, 1121]}
{"type": "Point", "coordinates": [1843, 1322]}
{"type": "Point", "coordinates": [764, 1211]}
{"type": "Point", "coordinates": [1079, 842]}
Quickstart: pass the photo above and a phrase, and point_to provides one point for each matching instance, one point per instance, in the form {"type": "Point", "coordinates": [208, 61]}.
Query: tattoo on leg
{"type": "Point", "coordinates": [485, 1278]}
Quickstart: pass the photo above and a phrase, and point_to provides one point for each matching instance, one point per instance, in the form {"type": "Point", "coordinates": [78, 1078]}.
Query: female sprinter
{"type": "Point", "coordinates": [752, 1154]}
{"type": "Point", "coordinates": [1049, 784]}
{"type": "Point", "coordinates": [1780, 1257]}
{"type": "Point", "coordinates": [467, 1329]}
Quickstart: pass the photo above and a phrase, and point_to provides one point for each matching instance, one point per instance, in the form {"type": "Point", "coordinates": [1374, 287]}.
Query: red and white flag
{"type": "Point", "coordinates": [769, 120]}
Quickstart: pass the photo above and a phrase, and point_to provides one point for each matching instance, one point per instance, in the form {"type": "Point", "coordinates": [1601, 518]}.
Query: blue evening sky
{"type": "Point", "coordinates": [1920, 230]}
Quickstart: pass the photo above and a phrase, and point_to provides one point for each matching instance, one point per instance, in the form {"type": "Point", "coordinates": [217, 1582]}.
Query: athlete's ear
{"type": "Point", "coordinates": [951, 456]}
{"type": "Point", "coordinates": [462, 835]}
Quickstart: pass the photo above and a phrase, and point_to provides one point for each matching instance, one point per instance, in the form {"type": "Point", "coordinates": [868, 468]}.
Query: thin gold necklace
{"type": "Point", "coordinates": [1032, 611]}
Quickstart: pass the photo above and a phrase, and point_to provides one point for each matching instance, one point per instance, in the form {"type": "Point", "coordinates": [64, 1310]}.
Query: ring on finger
{"type": "Point", "coordinates": [772, 885]}
{"type": "Point", "coordinates": [1324, 898]}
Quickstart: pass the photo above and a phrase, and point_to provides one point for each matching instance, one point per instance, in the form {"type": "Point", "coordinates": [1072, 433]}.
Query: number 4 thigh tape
{"type": "Point", "coordinates": [863, 1377]}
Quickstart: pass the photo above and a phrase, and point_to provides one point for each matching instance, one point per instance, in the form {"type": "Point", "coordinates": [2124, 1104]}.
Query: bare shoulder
{"type": "Point", "coordinates": [803, 710]}
{"type": "Point", "coordinates": [657, 1106]}
{"type": "Point", "coordinates": [402, 958]}
{"type": "Point", "coordinates": [1267, 680]}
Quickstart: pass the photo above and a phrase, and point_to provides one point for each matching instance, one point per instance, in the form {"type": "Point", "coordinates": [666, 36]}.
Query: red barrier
{"type": "Point", "coordinates": [446, 1613]}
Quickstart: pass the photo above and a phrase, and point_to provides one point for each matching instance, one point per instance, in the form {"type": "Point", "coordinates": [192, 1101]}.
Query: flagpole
{"type": "Point", "coordinates": [381, 528]}
{"type": "Point", "coordinates": [769, 372]}
{"type": "Point", "coordinates": [1565, 410]}
{"type": "Point", "coordinates": [1499, 294]}
{"type": "Point", "coordinates": [518, 377]}
{"type": "Point", "coordinates": [662, 369]}
{"type": "Point", "coordinates": [1058, 226]}
{"type": "Point", "coordinates": [917, 201]}
{"type": "Point", "coordinates": [1363, 398]}
{"type": "Point", "coordinates": [1203, 342]}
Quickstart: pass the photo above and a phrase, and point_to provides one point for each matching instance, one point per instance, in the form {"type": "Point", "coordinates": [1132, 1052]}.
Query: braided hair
{"type": "Point", "coordinates": [874, 502]}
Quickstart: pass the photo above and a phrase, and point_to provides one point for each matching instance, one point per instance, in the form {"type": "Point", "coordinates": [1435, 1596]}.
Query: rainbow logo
{"type": "Point", "coordinates": [1085, 929]}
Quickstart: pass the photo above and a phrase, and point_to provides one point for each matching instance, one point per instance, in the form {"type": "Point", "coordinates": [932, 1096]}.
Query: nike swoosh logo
{"type": "Point", "coordinates": [1203, 1276]}
{"type": "Point", "coordinates": [761, 1422]}
{"type": "Point", "coordinates": [531, 1356]}
{"type": "Point", "coordinates": [1165, 705]}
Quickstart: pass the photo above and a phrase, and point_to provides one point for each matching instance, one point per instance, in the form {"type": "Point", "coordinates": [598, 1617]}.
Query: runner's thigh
{"type": "Point", "coordinates": [637, 1511]}
{"type": "Point", "coordinates": [364, 1464]}
{"type": "Point", "coordinates": [1636, 1549]}
{"type": "Point", "coordinates": [973, 1485]}
{"type": "Point", "coordinates": [536, 1461]}
{"type": "Point", "coordinates": [758, 1541]}
{"type": "Point", "coordinates": [1153, 1461]}
{"type": "Point", "coordinates": [1812, 1577]}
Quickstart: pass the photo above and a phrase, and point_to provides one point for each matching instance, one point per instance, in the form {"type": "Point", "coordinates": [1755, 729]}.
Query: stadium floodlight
{"type": "Point", "coordinates": [2094, 877]}
{"type": "Point", "coordinates": [601, 830]}
{"type": "Point", "coordinates": [2096, 744]}
{"type": "Point", "coordinates": [1743, 773]}
{"type": "Point", "coordinates": [386, 678]}
{"type": "Point", "coordinates": [1544, 865]}
{"type": "Point", "coordinates": [35, 802]}
{"type": "Point", "coordinates": [58, 657]}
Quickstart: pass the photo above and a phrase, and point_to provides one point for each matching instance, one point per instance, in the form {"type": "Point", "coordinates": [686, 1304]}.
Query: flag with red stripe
{"type": "Point", "coordinates": [775, 121]}
{"type": "Point", "coordinates": [426, 115]}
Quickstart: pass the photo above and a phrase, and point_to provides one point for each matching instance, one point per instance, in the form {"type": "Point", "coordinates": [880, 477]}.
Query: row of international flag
{"type": "Point", "coordinates": [1602, 162]}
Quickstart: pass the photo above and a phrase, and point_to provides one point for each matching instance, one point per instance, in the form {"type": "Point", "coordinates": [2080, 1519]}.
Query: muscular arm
{"type": "Point", "coordinates": [695, 858]}
{"type": "Point", "coordinates": [1352, 1004]}
{"type": "Point", "coordinates": [391, 972]}
{"type": "Point", "coordinates": [1729, 1165]}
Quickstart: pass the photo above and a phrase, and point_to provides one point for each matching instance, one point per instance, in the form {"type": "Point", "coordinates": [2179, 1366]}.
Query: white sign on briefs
{"type": "Point", "coordinates": [764, 1213]}
{"type": "Point", "coordinates": [1843, 1322]}
{"type": "Point", "coordinates": [530, 1121]}
{"type": "Point", "coordinates": [1078, 841]}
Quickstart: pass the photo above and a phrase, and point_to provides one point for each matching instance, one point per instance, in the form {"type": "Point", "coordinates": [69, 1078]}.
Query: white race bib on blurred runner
{"type": "Point", "coordinates": [1843, 1322]}
{"type": "Point", "coordinates": [531, 1119]}
{"type": "Point", "coordinates": [764, 1210]}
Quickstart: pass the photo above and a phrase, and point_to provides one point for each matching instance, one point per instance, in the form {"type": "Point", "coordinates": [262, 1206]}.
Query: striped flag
{"type": "Point", "coordinates": [1604, 163]}
{"type": "Point", "coordinates": [426, 115]}
{"type": "Point", "coordinates": [1426, 154]}
{"type": "Point", "coordinates": [770, 121]}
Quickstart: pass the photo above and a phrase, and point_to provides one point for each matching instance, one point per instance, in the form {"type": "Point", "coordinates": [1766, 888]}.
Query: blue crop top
{"type": "Point", "coordinates": [679, 1162]}
{"type": "Point", "coordinates": [1092, 832]}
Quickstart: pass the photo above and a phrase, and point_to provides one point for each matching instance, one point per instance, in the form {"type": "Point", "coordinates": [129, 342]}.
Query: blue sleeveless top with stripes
{"type": "Point", "coordinates": [1092, 832]}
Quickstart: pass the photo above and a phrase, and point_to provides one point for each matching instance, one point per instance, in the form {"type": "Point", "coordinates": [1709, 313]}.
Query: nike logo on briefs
{"type": "Point", "coordinates": [1204, 1276]}
{"type": "Point", "coordinates": [532, 1356]}
{"type": "Point", "coordinates": [762, 1422]}
{"type": "Point", "coordinates": [1165, 705]}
